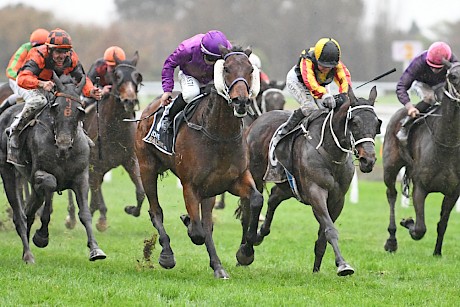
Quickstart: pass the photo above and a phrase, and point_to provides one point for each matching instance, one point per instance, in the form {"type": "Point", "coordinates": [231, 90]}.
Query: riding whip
{"type": "Point", "coordinates": [99, 142]}
{"type": "Point", "coordinates": [379, 77]}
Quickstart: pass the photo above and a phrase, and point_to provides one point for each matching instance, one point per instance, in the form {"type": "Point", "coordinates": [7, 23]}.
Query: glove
{"type": "Point", "coordinates": [328, 101]}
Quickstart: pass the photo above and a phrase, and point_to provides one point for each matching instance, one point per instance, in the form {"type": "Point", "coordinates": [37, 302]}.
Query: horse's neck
{"type": "Point", "coordinates": [218, 118]}
{"type": "Point", "coordinates": [338, 134]}
{"type": "Point", "coordinates": [447, 129]}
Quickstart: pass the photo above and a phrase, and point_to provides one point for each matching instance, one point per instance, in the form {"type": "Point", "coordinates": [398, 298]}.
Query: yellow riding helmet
{"type": "Point", "coordinates": [327, 52]}
{"type": "Point", "coordinates": [112, 52]}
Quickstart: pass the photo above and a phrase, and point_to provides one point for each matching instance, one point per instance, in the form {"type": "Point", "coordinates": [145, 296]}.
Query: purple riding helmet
{"type": "Point", "coordinates": [211, 41]}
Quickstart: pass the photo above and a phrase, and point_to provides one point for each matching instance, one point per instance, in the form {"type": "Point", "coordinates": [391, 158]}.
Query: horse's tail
{"type": "Point", "coordinates": [239, 211]}
{"type": "Point", "coordinates": [405, 184]}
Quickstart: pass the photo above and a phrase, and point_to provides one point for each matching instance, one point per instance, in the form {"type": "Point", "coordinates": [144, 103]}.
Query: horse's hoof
{"type": "Point", "coordinates": [28, 258]}
{"type": "Point", "coordinates": [219, 205]}
{"type": "Point", "coordinates": [185, 219]}
{"type": "Point", "coordinates": [96, 254]}
{"type": "Point", "coordinates": [101, 225]}
{"type": "Point", "coordinates": [221, 274]}
{"type": "Point", "coordinates": [132, 210]}
{"type": "Point", "coordinates": [391, 246]}
{"type": "Point", "coordinates": [70, 223]}
{"type": "Point", "coordinates": [345, 270]}
{"type": "Point", "coordinates": [40, 241]}
{"type": "Point", "coordinates": [407, 223]}
{"type": "Point", "coordinates": [245, 259]}
{"type": "Point", "coordinates": [167, 261]}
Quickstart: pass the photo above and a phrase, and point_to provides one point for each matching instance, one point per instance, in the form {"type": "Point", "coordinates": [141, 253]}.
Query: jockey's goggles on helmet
{"type": "Point", "coordinates": [211, 58]}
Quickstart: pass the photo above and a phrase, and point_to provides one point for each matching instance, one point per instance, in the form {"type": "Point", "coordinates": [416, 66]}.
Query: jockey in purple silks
{"type": "Point", "coordinates": [424, 74]}
{"type": "Point", "coordinates": [195, 58]}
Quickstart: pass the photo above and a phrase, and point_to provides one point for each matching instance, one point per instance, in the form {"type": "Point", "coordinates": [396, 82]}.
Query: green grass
{"type": "Point", "coordinates": [280, 275]}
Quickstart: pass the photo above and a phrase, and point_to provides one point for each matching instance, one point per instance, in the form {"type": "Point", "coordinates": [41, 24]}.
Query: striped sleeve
{"type": "Point", "coordinates": [309, 79]}
{"type": "Point", "coordinates": [342, 78]}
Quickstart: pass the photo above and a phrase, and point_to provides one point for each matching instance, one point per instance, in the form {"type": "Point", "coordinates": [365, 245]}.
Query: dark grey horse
{"type": "Point", "coordinates": [432, 161]}
{"type": "Point", "coordinates": [321, 163]}
{"type": "Point", "coordinates": [114, 139]}
{"type": "Point", "coordinates": [55, 153]}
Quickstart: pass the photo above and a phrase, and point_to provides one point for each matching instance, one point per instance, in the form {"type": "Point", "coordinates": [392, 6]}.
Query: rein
{"type": "Point", "coordinates": [353, 142]}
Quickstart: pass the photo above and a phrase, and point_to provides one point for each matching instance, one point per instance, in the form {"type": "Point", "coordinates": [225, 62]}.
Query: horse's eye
{"type": "Point", "coordinates": [226, 69]}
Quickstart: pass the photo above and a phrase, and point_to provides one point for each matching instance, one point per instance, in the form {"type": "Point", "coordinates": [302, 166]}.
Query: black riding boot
{"type": "Point", "coordinates": [290, 124]}
{"type": "Point", "coordinates": [13, 132]}
{"type": "Point", "coordinates": [8, 102]}
{"type": "Point", "coordinates": [407, 122]}
{"type": "Point", "coordinates": [177, 105]}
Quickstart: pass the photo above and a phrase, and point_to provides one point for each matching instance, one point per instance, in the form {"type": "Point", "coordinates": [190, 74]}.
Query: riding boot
{"type": "Point", "coordinates": [13, 140]}
{"type": "Point", "coordinates": [177, 105]}
{"type": "Point", "coordinates": [407, 122]}
{"type": "Point", "coordinates": [8, 102]}
{"type": "Point", "coordinates": [290, 124]}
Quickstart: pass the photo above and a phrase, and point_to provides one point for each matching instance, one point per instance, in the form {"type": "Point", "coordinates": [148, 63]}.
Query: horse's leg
{"type": "Point", "coordinates": [246, 189]}
{"type": "Point", "coordinates": [214, 261]}
{"type": "Point", "coordinates": [319, 198]}
{"type": "Point", "coordinates": [132, 167]}
{"type": "Point", "coordinates": [70, 220]}
{"type": "Point", "coordinates": [97, 200]}
{"type": "Point", "coordinates": [194, 226]}
{"type": "Point", "coordinates": [448, 204]}
{"type": "Point", "coordinates": [417, 229]}
{"type": "Point", "coordinates": [220, 204]}
{"type": "Point", "coordinates": [277, 195]}
{"type": "Point", "coordinates": [390, 175]}
{"type": "Point", "coordinates": [9, 175]}
{"type": "Point", "coordinates": [41, 236]}
{"type": "Point", "coordinates": [81, 190]}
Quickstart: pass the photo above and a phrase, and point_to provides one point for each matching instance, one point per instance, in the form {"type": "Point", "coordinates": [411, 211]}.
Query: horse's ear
{"type": "Point", "coordinates": [58, 82]}
{"type": "Point", "coordinates": [135, 58]}
{"type": "Point", "coordinates": [373, 94]}
{"type": "Point", "coordinates": [223, 50]}
{"type": "Point", "coordinates": [351, 96]}
{"type": "Point", "coordinates": [117, 59]}
{"type": "Point", "coordinates": [446, 63]}
{"type": "Point", "coordinates": [248, 51]}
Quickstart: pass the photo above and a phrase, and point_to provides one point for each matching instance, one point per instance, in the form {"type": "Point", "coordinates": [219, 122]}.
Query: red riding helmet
{"type": "Point", "coordinates": [211, 41]}
{"type": "Point", "coordinates": [111, 52]}
{"type": "Point", "coordinates": [436, 53]}
{"type": "Point", "coordinates": [59, 38]}
{"type": "Point", "coordinates": [38, 37]}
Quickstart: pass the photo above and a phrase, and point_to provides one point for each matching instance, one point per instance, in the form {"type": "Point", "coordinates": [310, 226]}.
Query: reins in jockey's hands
{"type": "Point", "coordinates": [166, 98]}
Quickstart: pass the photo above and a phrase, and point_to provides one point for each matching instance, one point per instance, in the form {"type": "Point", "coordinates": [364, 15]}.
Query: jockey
{"type": "Point", "coordinates": [103, 69]}
{"type": "Point", "coordinates": [35, 77]}
{"type": "Point", "coordinates": [37, 38]}
{"type": "Point", "coordinates": [425, 73]}
{"type": "Point", "coordinates": [195, 58]}
{"type": "Point", "coordinates": [255, 60]}
{"type": "Point", "coordinates": [308, 81]}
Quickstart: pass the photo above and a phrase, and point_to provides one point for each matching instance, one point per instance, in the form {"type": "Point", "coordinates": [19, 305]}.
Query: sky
{"type": "Point", "coordinates": [425, 12]}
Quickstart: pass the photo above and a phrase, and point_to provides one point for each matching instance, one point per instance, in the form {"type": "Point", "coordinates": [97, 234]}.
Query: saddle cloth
{"type": "Point", "coordinates": [164, 140]}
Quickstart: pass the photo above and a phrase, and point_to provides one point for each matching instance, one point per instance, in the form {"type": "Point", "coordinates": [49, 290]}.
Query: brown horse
{"type": "Point", "coordinates": [114, 138]}
{"type": "Point", "coordinates": [210, 158]}
{"type": "Point", "coordinates": [432, 161]}
{"type": "Point", "coordinates": [321, 163]}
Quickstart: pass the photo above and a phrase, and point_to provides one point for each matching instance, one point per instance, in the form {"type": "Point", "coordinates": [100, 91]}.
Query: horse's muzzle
{"type": "Point", "coordinates": [64, 144]}
{"type": "Point", "coordinates": [240, 106]}
{"type": "Point", "coordinates": [366, 156]}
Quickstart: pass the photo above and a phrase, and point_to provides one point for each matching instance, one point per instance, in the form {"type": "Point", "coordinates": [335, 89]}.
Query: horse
{"type": "Point", "coordinates": [269, 98]}
{"type": "Point", "coordinates": [108, 125]}
{"type": "Point", "coordinates": [210, 158]}
{"type": "Point", "coordinates": [55, 153]}
{"type": "Point", "coordinates": [5, 91]}
{"type": "Point", "coordinates": [320, 162]}
{"type": "Point", "coordinates": [431, 158]}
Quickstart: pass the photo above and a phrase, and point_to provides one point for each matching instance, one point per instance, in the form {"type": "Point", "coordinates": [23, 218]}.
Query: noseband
{"type": "Point", "coordinates": [228, 88]}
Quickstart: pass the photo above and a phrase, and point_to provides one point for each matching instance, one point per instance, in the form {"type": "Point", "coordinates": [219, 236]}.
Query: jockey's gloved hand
{"type": "Point", "coordinates": [328, 101]}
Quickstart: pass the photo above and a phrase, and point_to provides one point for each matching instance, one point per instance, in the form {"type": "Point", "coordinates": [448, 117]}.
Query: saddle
{"type": "Point", "coordinates": [280, 167]}
{"type": "Point", "coordinates": [164, 139]}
